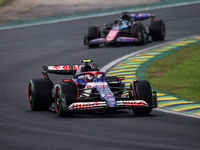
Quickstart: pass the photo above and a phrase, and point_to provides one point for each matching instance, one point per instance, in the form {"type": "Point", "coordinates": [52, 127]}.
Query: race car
{"type": "Point", "coordinates": [128, 29]}
{"type": "Point", "coordinates": [88, 89]}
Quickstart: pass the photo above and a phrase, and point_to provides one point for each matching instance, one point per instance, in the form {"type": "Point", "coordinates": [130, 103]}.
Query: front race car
{"type": "Point", "coordinates": [104, 98]}
{"type": "Point", "coordinates": [89, 90]}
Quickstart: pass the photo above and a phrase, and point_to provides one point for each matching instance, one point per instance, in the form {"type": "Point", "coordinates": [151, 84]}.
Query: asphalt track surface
{"type": "Point", "coordinates": [24, 50]}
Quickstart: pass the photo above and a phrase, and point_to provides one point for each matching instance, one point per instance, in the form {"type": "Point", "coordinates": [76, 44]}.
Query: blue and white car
{"type": "Point", "coordinates": [88, 89]}
{"type": "Point", "coordinates": [128, 29]}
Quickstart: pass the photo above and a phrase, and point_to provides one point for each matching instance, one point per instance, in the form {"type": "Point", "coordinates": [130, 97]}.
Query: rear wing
{"type": "Point", "coordinates": [70, 69]}
{"type": "Point", "coordinates": [62, 69]}
{"type": "Point", "coordinates": [142, 16]}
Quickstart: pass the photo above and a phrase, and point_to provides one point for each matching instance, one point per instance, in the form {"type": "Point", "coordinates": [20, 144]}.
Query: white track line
{"type": "Point", "coordinates": [177, 113]}
{"type": "Point", "coordinates": [113, 63]}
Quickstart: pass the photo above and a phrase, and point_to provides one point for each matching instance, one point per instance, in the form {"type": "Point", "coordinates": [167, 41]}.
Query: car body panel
{"type": "Point", "coordinates": [112, 35]}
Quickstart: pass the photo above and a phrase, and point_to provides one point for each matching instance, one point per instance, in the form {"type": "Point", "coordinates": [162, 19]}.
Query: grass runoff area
{"type": "Point", "coordinates": [177, 73]}
{"type": "Point", "coordinates": [2, 2]}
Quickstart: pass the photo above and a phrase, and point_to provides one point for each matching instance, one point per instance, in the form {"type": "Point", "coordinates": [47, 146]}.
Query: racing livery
{"type": "Point", "coordinates": [88, 89]}
{"type": "Point", "coordinates": [128, 29]}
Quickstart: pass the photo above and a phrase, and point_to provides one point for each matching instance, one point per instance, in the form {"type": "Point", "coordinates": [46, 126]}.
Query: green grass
{"type": "Point", "coordinates": [3, 2]}
{"type": "Point", "coordinates": [177, 73]}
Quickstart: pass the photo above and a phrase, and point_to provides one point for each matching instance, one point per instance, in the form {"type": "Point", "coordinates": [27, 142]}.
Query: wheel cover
{"type": "Point", "coordinates": [30, 95]}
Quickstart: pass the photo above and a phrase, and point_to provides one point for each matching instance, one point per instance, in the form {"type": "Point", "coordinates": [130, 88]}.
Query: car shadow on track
{"type": "Point", "coordinates": [108, 114]}
{"type": "Point", "coordinates": [120, 45]}
{"type": "Point", "coordinates": [91, 114]}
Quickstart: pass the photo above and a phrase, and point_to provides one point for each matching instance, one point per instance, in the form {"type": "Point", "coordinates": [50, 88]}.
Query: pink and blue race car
{"type": "Point", "coordinates": [128, 29]}
{"type": "Point", "coordinates": [88, 89]}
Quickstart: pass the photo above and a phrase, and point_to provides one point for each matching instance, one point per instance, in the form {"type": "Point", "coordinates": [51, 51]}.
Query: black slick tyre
{"type": "Point", "coordinates": [66, 94]}
{"type": "Point", "coordinates": [39, 94]}
{"type": "Point", "coordinates": [92, 33]}
{"type": "Point", "coordinates": [138, 31]}
{"type": "Point", "coordinates": [143, 92]}
{"type": "Point", "coordinates": [157, 30]}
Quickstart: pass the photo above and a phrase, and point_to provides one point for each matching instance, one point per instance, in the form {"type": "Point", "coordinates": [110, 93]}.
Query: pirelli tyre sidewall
{"type": "Point", "coordinates": [65, 95]}
{"type": "Point", "coordinates": [39, 94]}
{"type": "Point", "coordinates": [143, 92]}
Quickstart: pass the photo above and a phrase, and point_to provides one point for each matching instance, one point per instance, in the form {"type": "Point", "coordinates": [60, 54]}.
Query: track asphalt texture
{"type": "Point", "coordinates": [23, 52]}
{"type": "Point", "coordinates": [135, 66]}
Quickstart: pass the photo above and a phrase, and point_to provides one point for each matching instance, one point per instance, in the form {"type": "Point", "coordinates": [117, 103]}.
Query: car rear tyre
{"type": "Point", "coordinates": [39, 94]}
{"type": "Point", "coordinates": [157, 30]}
{"type": "Point", "coordinates": [66, 94]}
{"type": "Point", "coordinates": [93, 33]}
{"type": "Point", "coordinates": [143, 92]}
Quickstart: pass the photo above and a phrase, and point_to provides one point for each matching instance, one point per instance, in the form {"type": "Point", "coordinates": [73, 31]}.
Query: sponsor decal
{"type": "Point", "coordinates": [56, 67]}
{"type": "Point", "coordinates": [121, 78]}
{"type": "Point", "coordinates": [75, 67]}
{"type": "Point", "coordinates": [126, 39]}
{"type": "Point", "coordinates": [88, 86]}
{"type": "Point", "coordinates": [84, 105]}
{"type": "Point", "coordinates": [134, 103]}
{"type": "Point", "coordinates": [65, 67]}
{"type": "Point", "coordinates": [140, 15]}
{"type": "Point", "coordinates": [111, 99]}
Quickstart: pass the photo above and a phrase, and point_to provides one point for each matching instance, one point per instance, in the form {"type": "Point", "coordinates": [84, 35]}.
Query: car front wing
{"type": "Point", "coordinates": [130, 104]}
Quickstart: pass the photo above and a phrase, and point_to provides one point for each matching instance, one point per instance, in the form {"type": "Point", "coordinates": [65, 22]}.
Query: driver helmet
{"type": "Point", "coordinates": [124, 22]}
{"type": "Point", "coordinates": [88, 78]}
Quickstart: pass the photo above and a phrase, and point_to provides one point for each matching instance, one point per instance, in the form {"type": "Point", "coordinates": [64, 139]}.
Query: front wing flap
{"type": "Point", "coordinates": [130, 104]}
{"type": "Point", "coordinates": [117, 40]}
{"type": "Point", "coordinates": [127, 39]}
{"type": "Point", "coordinates": [97, 41]}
